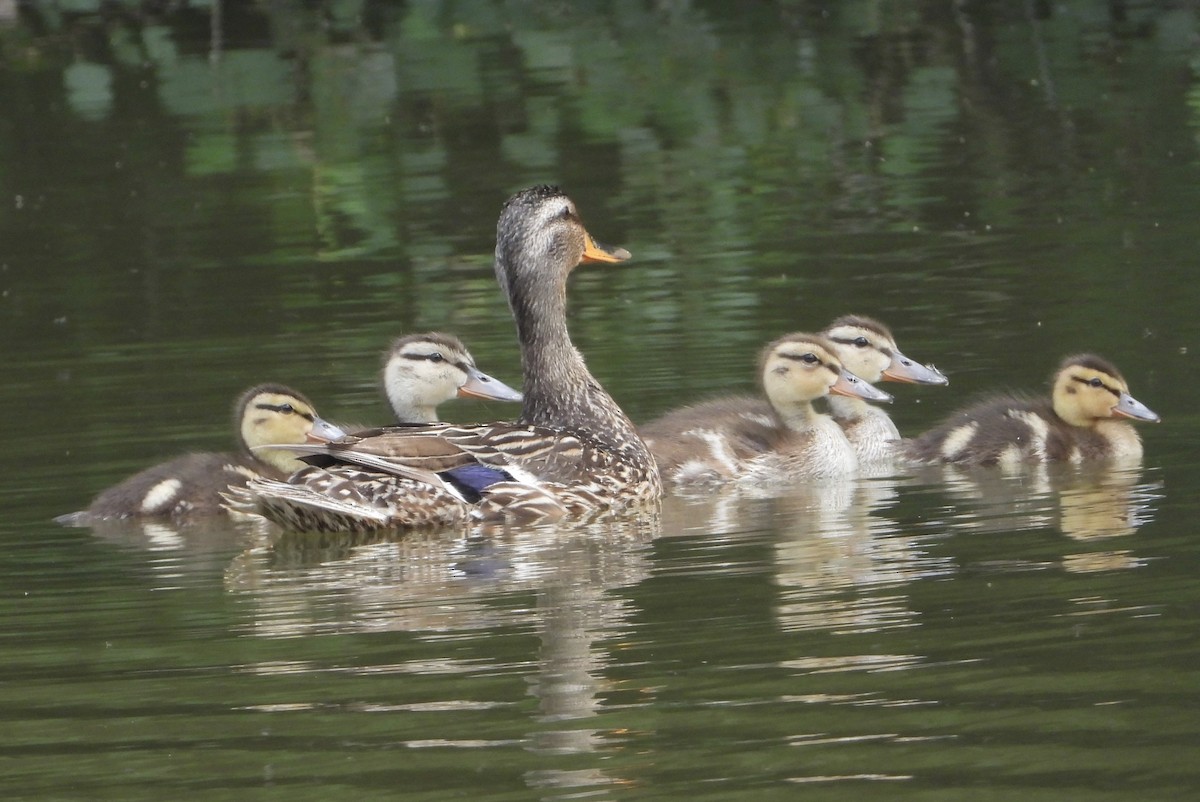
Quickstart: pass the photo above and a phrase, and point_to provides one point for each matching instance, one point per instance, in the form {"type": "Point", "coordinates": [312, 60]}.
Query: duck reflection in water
{"type": "Point", "coordinates": [444, 584]}
{"type": "Point", "coordinates": [1086, 503]}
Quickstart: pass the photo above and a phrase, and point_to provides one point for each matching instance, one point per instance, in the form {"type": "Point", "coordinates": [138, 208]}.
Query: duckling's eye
{"type": "Point", "coordinates": [286, 409]}
{"type": "Point", "coordinates": [810, 359]}
{"type": "Point", "coordinates": [1095, 382]}
{"type": "Point", "coordinates": [436, 357]}
{"type": "Point", "coordinates": [861, 342]}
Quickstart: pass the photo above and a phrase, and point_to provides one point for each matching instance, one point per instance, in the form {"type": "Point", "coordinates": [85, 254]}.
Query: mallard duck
{"type": "Point", "coordinates": [741, 439]}
{"type": "Point", "coordinates": [572, 452]}
{"type": "Point", "coordinates": [265, 416]}
{"type": "Point", "coordinates": [867, 349]}
{"type": "Point", "coordinates": [1085, 419]}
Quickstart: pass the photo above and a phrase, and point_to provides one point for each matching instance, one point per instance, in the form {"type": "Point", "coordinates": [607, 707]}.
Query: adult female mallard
{"type": "Point", "coordinates": [265, 416]}
{"type": "Point", "coordinates": [867, 349]}
{"type": "Point", "coordinates": [571, 452]}
{"type": "Point", "coordinates": [1084, 420]}
{"type": "Point", "coordinates": [739, 439]}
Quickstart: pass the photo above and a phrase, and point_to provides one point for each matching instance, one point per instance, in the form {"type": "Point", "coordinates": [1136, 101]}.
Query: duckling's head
{"type": "Point", "coordinates": [540, 239]}
{"type": "Point", "coordinates": [868, 350]}
{"type": "Point", "coordinates": [797, 369]}
{"type": "Point", "coordinates": [1088, 389]}
{"type": "Point", "coordinates": [421, 371]}
{"type": "Point", "coordinates": [272, 414]}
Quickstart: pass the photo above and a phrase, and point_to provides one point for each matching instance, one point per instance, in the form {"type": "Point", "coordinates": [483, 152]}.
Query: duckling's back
{"type": "Point", "coordinates": [704, 443]}
{"type": "Point", "coordinates": [182, 487]}
{"type": "Point", "coordinates": [1007, 431]}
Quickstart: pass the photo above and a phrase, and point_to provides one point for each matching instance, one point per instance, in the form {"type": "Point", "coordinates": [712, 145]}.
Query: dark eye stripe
{"type": "Point", "coordinates": [853, 341]}
{"type": "Point", "coordinates": [464, 366]}
{"type": "Point", "coordinates": [1088, 382]}
{"type": "Point", "coordinates": [802, 357]}
{"type": "Point", "coordinates": [284, 409]}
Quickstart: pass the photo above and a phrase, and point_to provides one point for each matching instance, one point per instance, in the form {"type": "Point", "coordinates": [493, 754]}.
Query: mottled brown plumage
{"type": "Point", "coordinates": [572, 451]}
{"type": "Point", "coordinates": [742, 440]}
{"type": "Point", "coordinates": [1084, 420]}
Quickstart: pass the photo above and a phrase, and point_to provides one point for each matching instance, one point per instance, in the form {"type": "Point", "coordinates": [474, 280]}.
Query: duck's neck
{"type": "Point", "coordinates": [798, 417]}
{"type": "Point", "coordinates": [848, 409]}
{"type": "Point", "coordinates": [409, 408]}
{"type": "Point", "coordinates": [559, 390]}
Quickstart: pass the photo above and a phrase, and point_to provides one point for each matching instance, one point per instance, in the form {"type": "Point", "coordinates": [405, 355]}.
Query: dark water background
{"type": "Point", "coordinates": [196, 197]}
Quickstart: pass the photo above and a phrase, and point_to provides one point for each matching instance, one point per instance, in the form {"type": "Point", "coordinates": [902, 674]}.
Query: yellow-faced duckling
{"type": "Point", "coordinates": [421, 371]}
{"type": "Point", "coordinates": [264, 416]}
{"type": "Point", "coordinates": [867, 349]}
{"type": "Point", "coordinates": [741, 439]}
{"type": "Point", "coordinates": [573, 451]}
{"type": "Point", "coordinates": [1086, 419]}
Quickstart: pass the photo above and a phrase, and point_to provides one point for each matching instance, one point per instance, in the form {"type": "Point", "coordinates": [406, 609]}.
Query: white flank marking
{"type": "Point", "coordinates": [161, 495]}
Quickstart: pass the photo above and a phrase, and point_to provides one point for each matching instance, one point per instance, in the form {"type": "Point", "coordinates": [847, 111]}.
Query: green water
{"type": "Point", "coordinates": [189, 209]}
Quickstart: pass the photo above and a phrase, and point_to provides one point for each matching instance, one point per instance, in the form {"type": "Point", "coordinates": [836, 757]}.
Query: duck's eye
{"type": "Point", "coordinates": [286, 409]}
{"type": "Point", "coordinates": [861, 342]}
{"type": "Point", "coordinates": [436, 357]}
{"type": "Point", "coordinates": [1095, 382]}
{"type": "Point", "coordinates": [810, 359]}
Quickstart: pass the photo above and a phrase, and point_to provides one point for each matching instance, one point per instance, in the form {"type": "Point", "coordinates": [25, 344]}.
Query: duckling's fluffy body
{"type": "Point", "coordinates": [191, 485]}
{"type": "Point", "coordinates": [741, 439]}
{"type": "Point", "coordinates": [868, 349]}
{"type": "Point", "coordinates": [1084, 420]}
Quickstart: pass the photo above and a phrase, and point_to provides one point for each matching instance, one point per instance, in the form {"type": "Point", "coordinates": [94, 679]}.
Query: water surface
{"type": "Point", "coordinates": [188, 208]}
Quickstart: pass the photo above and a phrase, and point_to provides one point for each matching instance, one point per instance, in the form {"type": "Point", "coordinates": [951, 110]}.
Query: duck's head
{"type": "Point", "coordinates": [1088, 389]}
{"type": "Point", "coordinates": [272, 415]}
{"type": "Point", "coordinates": [868, 350]}
{"type": "Point", "coordinates": [540, 239]}
{"type": "Point", "coordinates": [420, 371]}
{"type": "Point", "coordinates": [797, 369]}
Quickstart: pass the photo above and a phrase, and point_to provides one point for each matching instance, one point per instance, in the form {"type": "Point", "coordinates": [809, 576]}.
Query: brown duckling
{"type": "Point", "coordinates": [420, 371]}
{"type": "Point", "coordinates": [265, 415]}
{"type": "Point", "coordinates": [867, 349]}
{"type": "Point", "coordinates": [1085, 419]}
{"type": "Point", "coordinates": [739, 439]}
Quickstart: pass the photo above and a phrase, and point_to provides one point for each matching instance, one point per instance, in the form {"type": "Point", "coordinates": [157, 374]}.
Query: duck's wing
{"type": "Point", "coordinates": [346, 498]}
{"type": "Point", "coordinates": [525, 452]}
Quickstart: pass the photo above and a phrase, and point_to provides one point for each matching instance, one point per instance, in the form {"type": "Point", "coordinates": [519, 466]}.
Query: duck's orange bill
{"type": "Point", "coordinates": [595, 252]}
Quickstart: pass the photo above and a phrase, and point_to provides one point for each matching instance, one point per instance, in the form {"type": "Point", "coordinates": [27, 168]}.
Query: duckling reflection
{"type": "Point", "coordinates": [1104, 503]}
{"type": "Point", "coordinates": [839, 562]}
{"type": "Point", "coordinates": [1082, 502]}
{"type": "Point", "coordinates": [171, 549]}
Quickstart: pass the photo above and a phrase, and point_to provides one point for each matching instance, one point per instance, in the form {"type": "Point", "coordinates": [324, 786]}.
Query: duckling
{"type": "Point", "coordinates": [867, 349]}
{"type": "Point", "coordinates": [420, 371]}
{"type": "Point", "coordinates": [1084, 420]}
{"type": "Point", "coordinates": [265, 415]}
{"type": "Point", "coordinates": [739, 439]}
